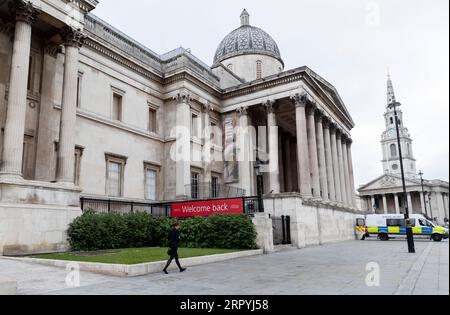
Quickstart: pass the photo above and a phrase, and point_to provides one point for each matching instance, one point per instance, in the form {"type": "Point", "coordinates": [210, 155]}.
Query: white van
{"type": "Point", "coordinates": [386, 226]}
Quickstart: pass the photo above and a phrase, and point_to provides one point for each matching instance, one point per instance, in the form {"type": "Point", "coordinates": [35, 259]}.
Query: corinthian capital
{"type": "Point", "coordinates": [242, 111]}
{"type": "Point", "coordinates": [73, 37]}
{"type": "Point", "coordinates": [52, 49]}
{"type": "Point", "coordinates": [300, 100]}
{"type": "Point", "coordinates": [207, 107]}
{"type": "Point", "coordinates": [270, 106]}
{"type": "Point", "coordinates": [183, 96]}
{"type": "Point", "coordinates": [23, 11]}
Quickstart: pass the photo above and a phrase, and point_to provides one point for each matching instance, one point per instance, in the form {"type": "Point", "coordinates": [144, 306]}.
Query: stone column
{"type": "Point", "coordinates": [341, 169]}
{"type": "Point", "coordinates": [322, 159]}
{"type": "Point", "coordinates": [66, 147]}
{"type": "Point", "coordinates": [337, 176]}
{"type": "Point", "coordinates": [329, 160]}
{"type": "Point", "coordinates": [47, 130]}
{"type": "Point", "coordinates": [422, 202]}
{"type": "Point", "coordinates": [410, 204]}
{"type": "Point", "coordinates": [295, 171]}
{"type": "Point", "coordinates": [446, 205]}
{"type": "Point", "coordinates": [274, 175]}
{"type": "Point", "coordinates": [287, 165]}
{"type": "Point", "coordinates": [352, 173]}
{"type": "Point", "coordinates": [183, 144]}
{"type": "Point", "coordinates": [25, 15]}
{"type": "Point", "coordinates": [347, 173]}
{"type": "Point", "coordinates": [281, 163]}
{"type": "Point", "coordinates": [397, 203]}
{"type": "Point", "coordinates": [372, 205]}
{"type": "Point", "coordinates": [207, 145]}
{"type": "Point", "coordinates": [244, 155]}
{"type": "Point", "coordinates": [302, 146]}
{"type": "Point", "coordinates": [312, 147]}
{"type": "Point", "coordinates": [385, 206]}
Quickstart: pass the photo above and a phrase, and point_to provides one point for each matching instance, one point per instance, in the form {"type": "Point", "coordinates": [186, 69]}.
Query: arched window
{"type": "Point", "coordinates": [408, 148]}
{"type": "Point", "coordinates": [392, 121]}
{"type": "Point", "coordinates": [259, 69]}
{"type": "Point", "coordinates": [393, 150]}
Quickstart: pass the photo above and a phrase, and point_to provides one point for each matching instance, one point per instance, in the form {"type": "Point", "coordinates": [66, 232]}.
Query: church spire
{"type": "Point", "coordinates": [390, 92]}
{"type": "Point", "coordinates": [245, 18]}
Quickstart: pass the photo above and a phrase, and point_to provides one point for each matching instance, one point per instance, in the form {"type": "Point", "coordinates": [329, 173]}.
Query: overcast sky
{"type": "Point", "coordinates": [351, 43]}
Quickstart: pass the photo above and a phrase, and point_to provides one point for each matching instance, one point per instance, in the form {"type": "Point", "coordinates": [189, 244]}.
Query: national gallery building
{"type": "Point", "coordinates": [88, 112]}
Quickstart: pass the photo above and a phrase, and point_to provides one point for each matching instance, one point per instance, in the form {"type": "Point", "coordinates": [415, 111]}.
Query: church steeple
{"type": "Point", "coordinates": [389, 140]}
{"type": "Point", "coordinates": [390, 92]}
{"type": "Point", "coordinates": [245, 18]}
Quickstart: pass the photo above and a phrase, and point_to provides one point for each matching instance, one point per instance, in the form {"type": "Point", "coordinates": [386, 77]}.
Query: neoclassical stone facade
{"type": "Point", "coordinates": [87, 111]}
{"type": "Point", "coordinates": [385, 193]}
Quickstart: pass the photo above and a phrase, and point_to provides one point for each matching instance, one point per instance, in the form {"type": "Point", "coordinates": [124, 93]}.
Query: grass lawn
{"type": "Point", "coordinates": [132, 256]}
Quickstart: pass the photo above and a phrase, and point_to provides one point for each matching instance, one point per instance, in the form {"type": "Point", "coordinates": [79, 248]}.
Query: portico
{"type": "Point", "coordinates": [304, 123]}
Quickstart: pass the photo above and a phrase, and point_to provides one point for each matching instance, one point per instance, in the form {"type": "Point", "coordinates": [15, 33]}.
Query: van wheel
{"type": "Point", "coordinates": [437, 237]}
{"type": "Point", "coordinates": [383, 237]}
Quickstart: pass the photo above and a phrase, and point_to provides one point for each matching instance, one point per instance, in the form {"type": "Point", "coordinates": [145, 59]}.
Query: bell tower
{"type": "Point", "coordinates": [389, 144]}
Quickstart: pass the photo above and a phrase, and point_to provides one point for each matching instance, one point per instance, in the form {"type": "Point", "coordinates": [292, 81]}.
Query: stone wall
{"type": "Point", "coordinates": [312, 223]}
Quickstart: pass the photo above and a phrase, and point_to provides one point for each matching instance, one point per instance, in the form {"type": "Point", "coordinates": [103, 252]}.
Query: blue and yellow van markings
{"type": "Point", "coordinates": [402, 230]}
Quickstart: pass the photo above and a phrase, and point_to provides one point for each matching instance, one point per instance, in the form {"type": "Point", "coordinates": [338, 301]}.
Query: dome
{"type": "Point", "coordinates": [245, 40]}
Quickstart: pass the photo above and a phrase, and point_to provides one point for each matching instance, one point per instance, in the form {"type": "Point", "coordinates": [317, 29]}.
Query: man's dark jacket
{"type": "Point", "coordinates": [174, 238]}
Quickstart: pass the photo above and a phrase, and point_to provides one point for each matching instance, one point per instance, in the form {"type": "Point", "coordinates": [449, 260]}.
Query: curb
{"type": "Point", "coordinates": [138, 269]}
{"type": "Point", "coordinates": [408, 284]}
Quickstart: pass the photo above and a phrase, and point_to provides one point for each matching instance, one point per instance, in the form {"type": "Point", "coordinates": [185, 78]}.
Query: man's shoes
{"type": "Point", "coordinates": [165, 271]}
{"type": "Point", "coordinates": [182, 269]}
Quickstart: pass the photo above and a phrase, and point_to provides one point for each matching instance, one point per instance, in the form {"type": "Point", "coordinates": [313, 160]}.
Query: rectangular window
{"type": "Point", "coordinates": [150, 184]}
{"type": "Point", "coordinates": [117, 107]}
{"type": "Point", "coordinates": [152, 120]}
{"type": "Point", "coordinates": [80, 76]}
{"type": "Point", "coordinates": [194, 185]}
{"type": "Point", "coordinates": [194, 126]}
{"type": "Point", "coordinates": [115, 167]}
{"type": "Point", "coordinates": [214, 187]}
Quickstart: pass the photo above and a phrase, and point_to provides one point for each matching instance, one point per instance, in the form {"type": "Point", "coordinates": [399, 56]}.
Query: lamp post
{"type": "Point", "coordinates": [423, 193]}
{"type": "Point", "coordinates": [409, 231]}
{"type": "Point", "coordinates": [260, 185]}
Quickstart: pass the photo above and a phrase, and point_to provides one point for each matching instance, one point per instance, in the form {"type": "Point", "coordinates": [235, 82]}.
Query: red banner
{"type": "Point", "coordinates": [207, 208]}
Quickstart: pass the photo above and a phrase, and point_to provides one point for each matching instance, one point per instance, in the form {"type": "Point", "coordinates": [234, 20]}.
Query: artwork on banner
{"type": "Point", "coordinates": [207, 208]}
{"type": "Point", "coordinates": [231, 174]}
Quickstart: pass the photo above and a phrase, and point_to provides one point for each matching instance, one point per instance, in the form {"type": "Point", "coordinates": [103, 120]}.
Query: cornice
{"type": "Point", "coordinates": [102, 49]}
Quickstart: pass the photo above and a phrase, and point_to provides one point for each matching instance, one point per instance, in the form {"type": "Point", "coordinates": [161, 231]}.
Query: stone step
{"type": "Point", "coordinates": [282, 248]}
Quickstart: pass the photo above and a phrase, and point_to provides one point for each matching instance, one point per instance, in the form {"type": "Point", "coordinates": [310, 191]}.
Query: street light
{"type": "Point", "coordinates": [423, 193]}
{"type": "Point", "coordinates": [260, 184]}
{"type": "Point", "coordinates": [409, 231]}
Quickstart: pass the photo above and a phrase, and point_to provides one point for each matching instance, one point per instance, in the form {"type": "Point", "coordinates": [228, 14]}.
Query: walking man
{"type": "Point", "coordinates": [174, 243]}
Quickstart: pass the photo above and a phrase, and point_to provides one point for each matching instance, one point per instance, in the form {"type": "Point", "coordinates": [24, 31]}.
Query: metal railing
{"type": "Point", "coordinates": [250, 206]}
{"type": "Point", "coordinates": [123, 207]}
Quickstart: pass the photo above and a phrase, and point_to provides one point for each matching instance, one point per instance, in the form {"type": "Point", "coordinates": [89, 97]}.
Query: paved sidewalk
{"type": "Point", "coordinates": [331, 269]}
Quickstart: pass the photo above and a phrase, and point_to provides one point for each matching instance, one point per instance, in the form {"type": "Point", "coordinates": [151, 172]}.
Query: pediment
{"type": "Point", "coordinates": [386, 181]}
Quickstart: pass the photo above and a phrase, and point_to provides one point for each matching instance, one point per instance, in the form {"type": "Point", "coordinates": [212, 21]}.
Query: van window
{"type": "Point", "coordinates": [423, 222]}
{"type": "Point", "coordinates": [395, 222]}
{"type": "Point", "coordinates": [360, 222]}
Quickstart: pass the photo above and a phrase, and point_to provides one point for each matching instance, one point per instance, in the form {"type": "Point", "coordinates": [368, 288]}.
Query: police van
{"type": "Point", "coordinates": [386, 226]}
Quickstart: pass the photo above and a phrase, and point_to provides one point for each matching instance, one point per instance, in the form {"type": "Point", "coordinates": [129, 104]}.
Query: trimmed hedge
{"type": "Point", "coordinates": [93, 231]}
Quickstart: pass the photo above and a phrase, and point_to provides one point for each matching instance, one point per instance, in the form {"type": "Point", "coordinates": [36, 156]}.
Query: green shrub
{"type": "Point", "coordinates": [113, 231]}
